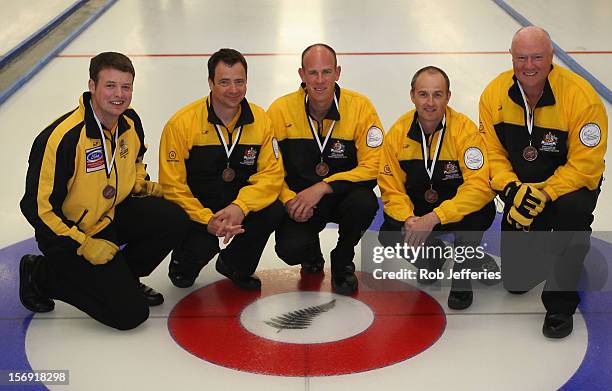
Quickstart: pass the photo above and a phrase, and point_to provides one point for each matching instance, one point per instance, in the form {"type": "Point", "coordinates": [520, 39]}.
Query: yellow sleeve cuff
{"type": "Point", "coordinates": [242, 206]}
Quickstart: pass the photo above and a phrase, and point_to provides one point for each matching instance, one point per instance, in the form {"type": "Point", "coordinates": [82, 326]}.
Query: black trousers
{"type": "Point", "coordinates": [468, 232]}
{"type": "Point", "coordinates": [353, 211]}
{"type": "Point", "coordinates": [553, 250]}
{"type": "Point", "coordinates": [244, 251]}
{"type": "Point", "coordinates": [149, 228]}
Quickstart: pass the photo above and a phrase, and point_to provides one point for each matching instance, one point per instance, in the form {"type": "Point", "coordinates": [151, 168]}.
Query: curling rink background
{"type": "Point", "coordinates": [495, 344]}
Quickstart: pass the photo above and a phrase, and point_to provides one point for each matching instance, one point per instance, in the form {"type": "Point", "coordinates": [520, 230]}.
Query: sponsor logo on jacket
{"type": "Point", "coordinates": [94, 159]}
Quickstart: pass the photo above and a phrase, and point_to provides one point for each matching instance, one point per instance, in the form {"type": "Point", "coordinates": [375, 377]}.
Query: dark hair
{"type": "Point", "coordinates": [333, 52]}
{"type": "Point", "coordinates": [430, 69]}
{"type": "Point", "coordinates": [227, 56]}
{"type": "Point", "coordinates": [111, 60]}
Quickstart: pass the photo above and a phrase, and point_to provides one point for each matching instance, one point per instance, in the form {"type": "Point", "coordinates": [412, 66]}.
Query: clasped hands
{"type": "Point", "coordinates": [144, 188]}
{"type": "Point", "coordinates": [418, 228]}
{"type": "Point", "coordinates": [527, 201]}
{"type": "Point", "coordinates": [301, 207]}
{"type": "Point", "coordinates": [226, 223]}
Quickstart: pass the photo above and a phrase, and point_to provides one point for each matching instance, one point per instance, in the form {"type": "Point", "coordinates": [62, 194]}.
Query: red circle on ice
{"type": "Point", "coordinates": [206, 323]}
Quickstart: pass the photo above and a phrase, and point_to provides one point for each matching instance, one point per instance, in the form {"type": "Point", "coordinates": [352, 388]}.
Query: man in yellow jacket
{"type": "Point", "coordinates": [433, 179]}
{"type": "Point", "coordinates": [87, 193]}
{"type": "Point", "coordinates": [220, 162]}
{"type": "Point", "coordinates": [546, 133]}
{"type": "Point", "coordinates": [330, 138]}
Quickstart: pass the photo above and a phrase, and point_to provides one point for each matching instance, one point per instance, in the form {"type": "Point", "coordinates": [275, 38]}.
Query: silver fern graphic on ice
{"type": "Point", "coordinates": [299, 319]}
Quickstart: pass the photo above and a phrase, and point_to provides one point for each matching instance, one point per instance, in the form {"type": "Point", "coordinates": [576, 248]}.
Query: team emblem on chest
{"type": "Point", "coordinates": [337, 150]}
{"type": "Point", "coordinates": [549, 143]}
{"type": "Point", "coordinates": [450, 171]}
{"type": "Point", "coordinates": [250, 155]}
{"type": "Point", "coordinates": [123, 148]}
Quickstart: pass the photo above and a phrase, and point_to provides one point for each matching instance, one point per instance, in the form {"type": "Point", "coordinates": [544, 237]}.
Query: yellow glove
{"type": "Point", "coordinates": [145, 188]}
{"type": "Point", "coordinates": [518, 220]}
{"type": "Point", "coordinates": [529, 200]}
{"type": "Point", "coordinates": [97, 251]}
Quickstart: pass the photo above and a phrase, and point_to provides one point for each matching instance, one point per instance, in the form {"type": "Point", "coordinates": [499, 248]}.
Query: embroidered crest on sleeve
{"type": "Point", "coordinates": [473, 158]}
{"type": "Point", "coordinates": [374, 138]}
{"type": "Point", "coordinates": [590, 135]}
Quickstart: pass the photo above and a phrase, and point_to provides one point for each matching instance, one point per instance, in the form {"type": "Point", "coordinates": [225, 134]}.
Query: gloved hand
{"type": "Point", "coordinates": [529, 200]}
{"type": "Point", "coordinates": [526, 198]}
{"type": "Point", "coordinates": [97, 251]}
{"type": "Point", "coordinates": [509, 192]}
{"type": "Point", "coordinates": [518, 220]}
{"type": "Point", "coordinates": [145, 188]}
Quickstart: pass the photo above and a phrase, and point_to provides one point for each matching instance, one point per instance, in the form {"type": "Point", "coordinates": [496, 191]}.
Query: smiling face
{"type": "Point", "coordinates": [229, 87]}
{"type": "Point", "coordinates": [319, 73]}
{"type": "Point", "coordinates": [430, 96]}
{"type": "Point", "coordinates": [111, 95]}
{"type": "Point", "coordinates": [532, 55]}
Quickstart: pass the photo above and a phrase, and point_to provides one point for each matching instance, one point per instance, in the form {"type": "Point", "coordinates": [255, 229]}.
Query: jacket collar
{"type": "Point", "coordinates": [91, 126]}
{"type": "Point", "coordinates": [415, 130]}
{"type": "Point", "coordinates": [333, 113]}
{"type": "Point", "coordinates": [246, 115]}
{"type": "Point", "coordinates": [547, 98]}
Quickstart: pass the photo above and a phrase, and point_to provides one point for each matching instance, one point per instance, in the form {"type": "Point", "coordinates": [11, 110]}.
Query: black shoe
{"type": "Point", "coordinates": [153, 297]}
{"type": "Point", "coordinates": [180, 278]}
{"type": "Point", "coordinates": [557, 325]}
{"type": "Point", "coordinates": [28, 293]}
{"type": "Point", "coordinates": [345, 283]}
{"type": "Point", "coordinates": [248, 283]}
{"type": "Point", "coordinates": [314, 266]}
{"type": "Point", "coordinates": [488, 265]}
{"type": "Point", "coordinates": [460, 300]}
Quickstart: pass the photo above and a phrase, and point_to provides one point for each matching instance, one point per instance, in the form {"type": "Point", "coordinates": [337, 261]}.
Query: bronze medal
{"type": "Point", "coordinates": [322, 169]}
{"type": "Point", "coordinates": [431, 196]}
{"type": "Point", "coordinates": [228, 174]}
{"type": "Point", "coordinates": [530, 153]}
{"type": "Point", "coordinates": [109, 192]}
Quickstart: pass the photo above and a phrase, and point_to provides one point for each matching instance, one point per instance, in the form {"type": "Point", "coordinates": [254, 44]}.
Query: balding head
{"type": "Point", "coordinates": [532, 55]}
{"type": "Point", "coordinates": [320, 47]}
{"type": "Point", "coordinates": [533, 35]}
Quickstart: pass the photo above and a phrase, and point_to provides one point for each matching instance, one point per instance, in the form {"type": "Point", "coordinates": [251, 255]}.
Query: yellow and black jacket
{"type": "Point", "coordinates": [352, 151]}
{"type": "Point", "coordinates": [461, 174]}
{"type": "Point", "coordinates": [570, 132]}
{"type": "Point", "coordinates": [192, 158]}
{"type": "Point", "coordinates": [67, 175]}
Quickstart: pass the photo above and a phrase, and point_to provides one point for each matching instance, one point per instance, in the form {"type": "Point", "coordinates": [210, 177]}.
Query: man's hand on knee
{"type": "Point", "coordinates": [97, 251]}
{"type": "Point", "coordinates": [301, 208]}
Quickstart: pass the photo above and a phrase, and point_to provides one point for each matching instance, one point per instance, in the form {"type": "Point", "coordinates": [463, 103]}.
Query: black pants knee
{"type": "Point", "coordinates": [353, 211]}
{"type": "Point", "coordinates": [244, 251]}
{"type": "Point", "coordinates": [149, 227]}
{"type": "Point", "coordinates": [553, 250]}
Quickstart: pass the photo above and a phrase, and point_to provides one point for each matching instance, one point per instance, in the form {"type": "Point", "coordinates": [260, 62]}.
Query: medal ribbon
{"type": "Point", "coordinates": [316, 134]}
{"type": "Point", "coordinates": [436, 154]}
{"type": "Point", "coordinates": [228, 152]}
{"type": "Point", "coordinates": [109, 165]}
{"type": "Point", "coordinates": [530, 116]}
